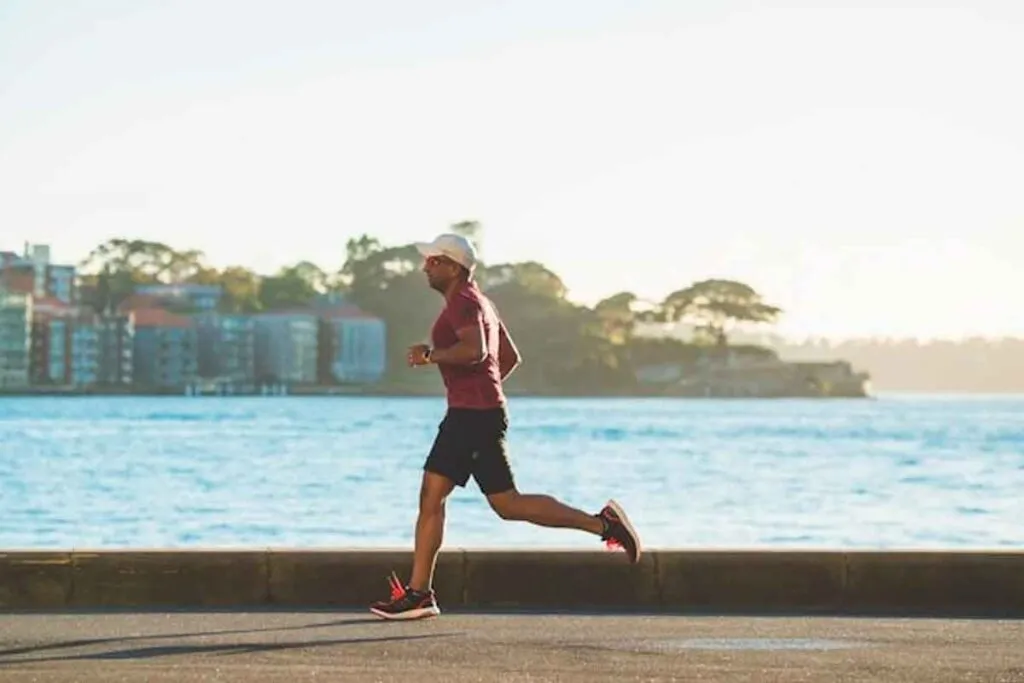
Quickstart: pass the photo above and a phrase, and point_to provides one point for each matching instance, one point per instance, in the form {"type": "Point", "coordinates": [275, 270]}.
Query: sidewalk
{"type": "Point", "coordinates": [328, 646]}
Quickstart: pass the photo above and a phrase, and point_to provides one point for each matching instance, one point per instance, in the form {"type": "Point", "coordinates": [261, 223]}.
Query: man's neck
{"type": "Point", "coordinates": [454, 287]}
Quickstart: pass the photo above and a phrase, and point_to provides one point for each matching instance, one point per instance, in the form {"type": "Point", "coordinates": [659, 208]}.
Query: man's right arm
{"type": "Point", "coordinates": [508, 355]}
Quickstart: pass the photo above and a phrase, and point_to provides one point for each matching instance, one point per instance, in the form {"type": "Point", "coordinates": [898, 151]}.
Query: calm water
{"type": "Point", "coordinates": [912, 472]}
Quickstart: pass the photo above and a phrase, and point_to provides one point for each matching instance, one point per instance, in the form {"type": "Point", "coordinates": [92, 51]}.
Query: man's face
{"type": "Point", "coordinates": [440, 271]}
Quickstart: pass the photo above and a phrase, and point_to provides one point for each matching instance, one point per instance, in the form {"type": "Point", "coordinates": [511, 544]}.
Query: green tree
{"type": "Point", "coordinates": [717, 305]}
{"type": "Point", "coordinates": [388, 282]}
{"type": "Point", "coordinates": [563, 345]}
{"type": "Point", "coordinates": [530, 275]}
{"type": "Point", "coordinates": [180, 266]}
{"type": "Point", "coordinates": [204, 276]}
{"type": "Point", "coordinates": [148, 262]}
{"type": "Point", "coordinates": [102, 290]}
{"type": "Point", "coordinates": [617, 314]}
{"type": "Point", "coordinates": [292, 287]}
{"type": "Point", "coordinates": [113, 269]}
{"type": "Point", "coordinates": [241, 290]}
{"type": "Point", "coordinates": [313, 275]}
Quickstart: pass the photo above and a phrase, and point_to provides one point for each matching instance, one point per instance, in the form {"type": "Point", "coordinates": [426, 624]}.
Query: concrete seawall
{"type": "Point", "coordinates": [721, 582]}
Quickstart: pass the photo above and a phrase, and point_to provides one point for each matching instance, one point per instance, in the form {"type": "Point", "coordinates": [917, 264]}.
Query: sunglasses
{"type": "Point", "coordinates": [433, 261]}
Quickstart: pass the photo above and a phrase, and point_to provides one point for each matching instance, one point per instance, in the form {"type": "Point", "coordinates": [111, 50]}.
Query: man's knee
{"type": "Point", "coordinates": [431, 505]}
{"type": "Point", "coordinates": [434, 490]}
{"type": "Point", "coordinates": [507, 505]}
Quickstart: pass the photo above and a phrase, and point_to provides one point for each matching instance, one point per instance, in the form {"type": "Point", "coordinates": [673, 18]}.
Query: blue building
{"type": "Point", "coordinates": [49, 361]}
{"type": "Point", "coordinates": [116, 349]}
{"type": "Point", "coordinates": [165, 349]}
{"type": "Point", "coordinates": [60, 282]}
{"type": "Point", "coordinates": [287, 345]}
{"type": "Point", "coordinates": [83, 352]}
{"type": "Point", "coordinates": [227, 347]}
{"type": "Point", "coordinates": [64, 343]}
{"type": "Point", "coordinates": [353, 346]}
{"type": "Point", "coordinates": [15, 338]}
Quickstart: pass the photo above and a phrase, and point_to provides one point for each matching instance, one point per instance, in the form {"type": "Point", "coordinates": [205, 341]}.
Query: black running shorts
{"type": "Point", "coordinates": [472, 442]}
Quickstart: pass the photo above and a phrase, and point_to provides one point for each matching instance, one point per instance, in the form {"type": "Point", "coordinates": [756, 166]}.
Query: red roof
{"type": "Point", "coordinates": [50, 302]}
{"type": "Point", "coordinates": [48, 306]}
{"type": "Point", "coordinates": [18, 280]}
{"type": "Point", "coordinates": [136, 301]}
{"type": "Point", "coordinates": [158, 317]}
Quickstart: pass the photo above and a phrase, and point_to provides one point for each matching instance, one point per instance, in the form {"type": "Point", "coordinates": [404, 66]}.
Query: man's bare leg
{"type": "Point", "coordinates": [543, 510]}
{"type": "Point", "coordinates": [611, 524]}
{"type": "Point", "coordinates": [434, 491]}
{"type": "Point", "coordinates": [418, 602]}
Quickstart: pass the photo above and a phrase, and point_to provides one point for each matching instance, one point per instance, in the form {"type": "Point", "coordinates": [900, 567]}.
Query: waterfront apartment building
{"type": "Point", "coordinates": [287, 345]}
{"type": "Point", "coordinates": [83, 352]}
{"type": "Point", "coordinates": [165, 350]}
{"type": "Point", "coordinates": [353, 346]}
{"type": "Point", "coordinates": [33, 273]}
{"type": "Point", "coordinates": [65, 344]}
{"type": "Point", "coordinates": [227, 347]}
{"type": "Point", "coordinates": [116, 342]}
{"type": "Point", "coordinates": [15, 339]}
{"type": "Point", "coordinates": [169, 336]}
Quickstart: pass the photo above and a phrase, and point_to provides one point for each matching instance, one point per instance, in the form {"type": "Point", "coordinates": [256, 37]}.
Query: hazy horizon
{"type": "Point", "coordinates": [861, 168]}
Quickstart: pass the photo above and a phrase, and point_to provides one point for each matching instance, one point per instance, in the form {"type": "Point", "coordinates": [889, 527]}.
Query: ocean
{"type": "Point", "coordinates": [895, 472]}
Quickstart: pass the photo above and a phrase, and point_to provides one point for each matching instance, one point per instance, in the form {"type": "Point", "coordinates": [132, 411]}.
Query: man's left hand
{"type": "Point", "coordinates": [418, 355]}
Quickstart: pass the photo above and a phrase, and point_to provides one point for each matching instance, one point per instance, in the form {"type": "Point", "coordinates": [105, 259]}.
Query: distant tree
{"type": "Point", "coordinates": [292, 287]}
{"type": "Point", "coordinates": [530, 275]}
{"type": "Point", "coordinates": [618, 316]}
{"type": "Point", "coordinates": [564, 345]}
{"type": "Point", "coordinates": [122, 264]}
{"type": "Point", "coordinates": [101, 292]}
{"type": "Point", "coordinates": [148, 262]}
{"type": "Point", "coordinates": [388, 282]}
{"type": "Point", "coordinates": [717, 305]}
{"type": "Point", "coordinates": [241, 290]}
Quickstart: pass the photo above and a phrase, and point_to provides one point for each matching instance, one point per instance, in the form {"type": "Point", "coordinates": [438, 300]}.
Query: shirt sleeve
{"type": "Point", "coordinates": [465, 312]}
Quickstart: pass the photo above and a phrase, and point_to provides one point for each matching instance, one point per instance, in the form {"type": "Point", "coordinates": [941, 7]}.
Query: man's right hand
{"type": "Point", "coordinates": [418, 355]}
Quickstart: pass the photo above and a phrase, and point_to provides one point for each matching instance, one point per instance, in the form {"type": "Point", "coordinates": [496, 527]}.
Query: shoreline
{"type": "Point", "coordinates": [905, 393]}
{"type": "Point", "coordinates": [391, 392]}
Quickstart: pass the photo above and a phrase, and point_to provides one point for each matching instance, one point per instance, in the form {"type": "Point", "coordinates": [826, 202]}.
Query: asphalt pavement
{"type": "Point", "coordinates": [355, 646]}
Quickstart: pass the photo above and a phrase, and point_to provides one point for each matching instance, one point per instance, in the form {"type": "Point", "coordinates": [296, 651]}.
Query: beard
{"type": "Point", "coordinates": [437, 285]}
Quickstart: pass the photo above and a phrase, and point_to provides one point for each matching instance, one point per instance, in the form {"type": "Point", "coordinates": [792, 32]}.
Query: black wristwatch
{"type": "Point", "coordinates": [426, 354]}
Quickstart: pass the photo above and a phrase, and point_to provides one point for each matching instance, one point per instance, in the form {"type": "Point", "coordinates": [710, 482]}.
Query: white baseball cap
{"type": "Point", "coordinates": [455, 247]}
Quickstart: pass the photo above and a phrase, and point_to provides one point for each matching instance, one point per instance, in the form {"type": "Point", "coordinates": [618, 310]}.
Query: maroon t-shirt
{"type": "Point", "coordinates": [478, 385]}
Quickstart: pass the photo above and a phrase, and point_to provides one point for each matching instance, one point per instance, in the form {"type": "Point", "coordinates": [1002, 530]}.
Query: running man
{"type": "Point", "coordinates": [475, 353]}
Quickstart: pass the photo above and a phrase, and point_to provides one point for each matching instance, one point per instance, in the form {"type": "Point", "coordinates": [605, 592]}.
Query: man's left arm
{"type": "Point", "coordinates": [469, 327]}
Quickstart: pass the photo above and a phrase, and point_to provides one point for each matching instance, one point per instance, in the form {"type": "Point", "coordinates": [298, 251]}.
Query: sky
{"type": "Point", "coordinates": [860, 164]}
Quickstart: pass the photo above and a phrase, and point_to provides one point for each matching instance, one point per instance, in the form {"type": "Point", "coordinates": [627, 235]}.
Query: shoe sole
{"type": "Point", "coordinates": [621, 514]}
{"type": "Point", "coordinates": [421, 613]}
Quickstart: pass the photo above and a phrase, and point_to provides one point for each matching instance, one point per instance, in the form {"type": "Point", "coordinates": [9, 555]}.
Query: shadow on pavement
{"type": "Point", "coordinates": [215, 649]}
{"type": "Point", "coordinates": [83, 642]}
